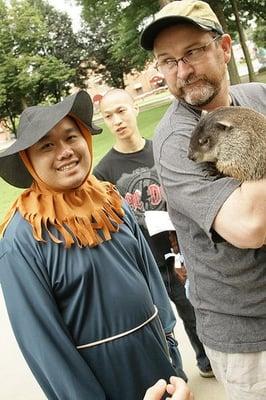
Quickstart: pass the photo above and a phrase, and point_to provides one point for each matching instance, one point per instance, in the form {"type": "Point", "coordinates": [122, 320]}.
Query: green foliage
{"type": "Point", "coordinates": [251, 9]}
{"type": "Point", "coordinates": [62, 43]}
{"type": "Point", "coordinates": [40, 56]}
{"type": "Point", "coordinates": [99, 35]}
{"type": "Point", "coordinates": [128, 30]}
{"type": "Point", "coordinates": [248, 11]}
{"type": "Point", "coordinates": [113, 29]}
{"type": "Point", "coordinates": [259, 34]}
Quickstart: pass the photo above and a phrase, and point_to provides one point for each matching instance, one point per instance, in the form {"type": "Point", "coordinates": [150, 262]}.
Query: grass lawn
{"type": "Point", "coordinates": [101, 143]}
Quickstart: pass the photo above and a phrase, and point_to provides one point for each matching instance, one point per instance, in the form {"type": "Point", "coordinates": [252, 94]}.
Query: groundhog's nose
{"type": "Point", "coordinates": [191, 154]}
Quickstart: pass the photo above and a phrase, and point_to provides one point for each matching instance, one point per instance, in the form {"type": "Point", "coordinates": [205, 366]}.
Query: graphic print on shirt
{"type": "Point", "coordinates": [142, 191]}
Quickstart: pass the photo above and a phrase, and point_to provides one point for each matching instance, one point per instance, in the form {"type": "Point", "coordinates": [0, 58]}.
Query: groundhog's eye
{"type": "Point", "coordinates": [204, 141]}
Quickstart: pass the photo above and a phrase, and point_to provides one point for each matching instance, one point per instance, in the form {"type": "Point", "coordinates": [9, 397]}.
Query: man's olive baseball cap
{"type": "Point", "coordinates": [193, 12]}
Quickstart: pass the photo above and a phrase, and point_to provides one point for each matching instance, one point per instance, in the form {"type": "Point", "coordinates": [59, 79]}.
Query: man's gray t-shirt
{"type": "Point", "coordinates": [227, 284]}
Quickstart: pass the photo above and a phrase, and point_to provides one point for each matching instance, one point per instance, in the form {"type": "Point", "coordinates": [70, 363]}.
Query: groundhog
{"type": "Point", "coordinates": [234, 140]}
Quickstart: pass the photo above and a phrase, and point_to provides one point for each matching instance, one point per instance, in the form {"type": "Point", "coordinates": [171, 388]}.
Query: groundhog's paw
{"type": "Point", "coordinates": [211, 171]}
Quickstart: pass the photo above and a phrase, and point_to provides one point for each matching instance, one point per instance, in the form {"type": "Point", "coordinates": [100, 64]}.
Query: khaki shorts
{"type": "Point", "coordinates": [243, 375]}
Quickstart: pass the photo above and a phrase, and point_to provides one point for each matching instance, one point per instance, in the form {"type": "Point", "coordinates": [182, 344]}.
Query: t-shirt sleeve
{"type": "Point", "coordinates": [99, 172]}
{"type": "Point", "coordinates": [189, 187]}
{"type": "Point", "coordinates": [104, 170]}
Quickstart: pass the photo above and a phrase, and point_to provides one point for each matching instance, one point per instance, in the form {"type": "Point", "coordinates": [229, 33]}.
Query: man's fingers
{"type": "Point", "coordinates": [156, 391]}
{"type": "Point", "coordinates": [179, 389]}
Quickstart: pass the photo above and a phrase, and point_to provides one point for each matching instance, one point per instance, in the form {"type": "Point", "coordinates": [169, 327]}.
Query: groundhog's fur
{"type": "Point", "coordinates": [234, 139]}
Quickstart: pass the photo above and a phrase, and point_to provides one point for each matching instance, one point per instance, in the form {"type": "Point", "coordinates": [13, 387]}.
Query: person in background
{"type": "Point", "coordinates": [84, 296]}
{"type": "Point", "coordinates": [129, 164]}
{"type": "Point", "coordinates": [220, 222]}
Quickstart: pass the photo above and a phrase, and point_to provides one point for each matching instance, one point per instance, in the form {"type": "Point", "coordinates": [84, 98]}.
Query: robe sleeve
{"type": "Point", "coordinates": [159, 294]}
{"type": "Point", "coordinates": [39, 328]}
{"type": "Point", "coordinates": [153, 277]}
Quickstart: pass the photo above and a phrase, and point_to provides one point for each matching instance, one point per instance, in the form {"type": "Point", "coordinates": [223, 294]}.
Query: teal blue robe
{"type": "Point", "coordinates": [58, 299]}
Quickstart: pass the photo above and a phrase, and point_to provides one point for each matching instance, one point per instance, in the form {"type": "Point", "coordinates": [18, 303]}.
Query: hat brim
{"type": "Point", "coordinates": [46, 117]}
{"type": "Point", "coordinates": [14, 172]}
{"type": "Point", "coordinates": [30, 131]}
{"type": "Point", "coordinates": [154, 28]}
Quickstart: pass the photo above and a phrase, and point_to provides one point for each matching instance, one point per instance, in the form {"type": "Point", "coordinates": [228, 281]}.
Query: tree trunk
{"type": "Point", "coordinates": [217, 7]}
{"type": "Point", "coordinates": [242, 40]}
{"type": "Point", "coordinates": [233, 71]}
{"type": "Point", "coordinates": [163, 3]}
{"type": "Point", "coordinates": [24, 103]}
{"type": "Point", "coordinates": [12, 121]}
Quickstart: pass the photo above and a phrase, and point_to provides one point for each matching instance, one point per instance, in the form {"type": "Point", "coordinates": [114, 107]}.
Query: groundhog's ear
{"type": "Point", "coordinates": [224, 125]}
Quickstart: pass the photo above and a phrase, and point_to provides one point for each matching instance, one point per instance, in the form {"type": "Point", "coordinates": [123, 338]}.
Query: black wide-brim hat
{"type": "Point", "coordinates": [35, 122]}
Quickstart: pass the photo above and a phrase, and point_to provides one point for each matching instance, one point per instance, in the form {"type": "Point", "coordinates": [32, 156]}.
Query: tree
{"type": "Point", "coordinates": [242, 39]}
{"type": "Point", "coordinates": [259, 34]}
{"type": "Point", "coordinates": [218, 9]}
{"type": "Point", "coordinates": [164, 2]}
{"type": "Point", "coordinates": [113, 34]}
{"type": "Point", "coordinates": [100, 59]}
{"type": "Point", "coordinates": [62, 42]}
{"type": "Point", "coordinates": [239, 14]}
{"type": "Point", "coordinates": [38, 58]}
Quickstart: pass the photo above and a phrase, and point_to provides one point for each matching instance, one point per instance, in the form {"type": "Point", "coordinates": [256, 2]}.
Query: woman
{"type": "Point", "coordinates": [84, 297]}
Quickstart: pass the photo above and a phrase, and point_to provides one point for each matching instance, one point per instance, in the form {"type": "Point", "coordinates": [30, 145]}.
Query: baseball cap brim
{"type": "Point", "coordinates": [154, 28]}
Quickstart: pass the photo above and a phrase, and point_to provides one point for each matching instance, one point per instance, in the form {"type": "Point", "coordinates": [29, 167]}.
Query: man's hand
{"type": "Point", "coordinates": [177, 389]}
{"type": "Point", "coordinates": [156, 391]}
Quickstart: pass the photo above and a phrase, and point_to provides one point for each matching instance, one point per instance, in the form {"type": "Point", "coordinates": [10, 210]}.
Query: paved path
{"type": "Point", "coordinates": [17, 382]}
{"type": "Point", "coordinates": [203, 388]}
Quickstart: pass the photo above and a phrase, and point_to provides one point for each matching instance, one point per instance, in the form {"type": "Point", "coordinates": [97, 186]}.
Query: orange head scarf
{"type": "Point", "coordinates": [86, 215]}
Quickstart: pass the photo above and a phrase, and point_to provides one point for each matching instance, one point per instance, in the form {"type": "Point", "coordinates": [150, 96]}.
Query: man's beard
{"type": "Point", "coordinates": [200, 93]}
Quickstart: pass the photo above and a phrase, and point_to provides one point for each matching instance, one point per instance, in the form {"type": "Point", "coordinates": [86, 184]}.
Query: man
{"type": "Point", "coordinates": [220, 223]}
{"type": "Point", "coordinates": [130, 165]}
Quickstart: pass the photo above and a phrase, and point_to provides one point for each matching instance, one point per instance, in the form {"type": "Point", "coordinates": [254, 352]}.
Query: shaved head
{"type": "Point", "coordinates": [116, 94]}
{"type": "Point", "coordinates": [120, 113]}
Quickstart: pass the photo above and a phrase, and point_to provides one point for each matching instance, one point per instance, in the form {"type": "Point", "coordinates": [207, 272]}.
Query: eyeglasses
{"type": "Point", "coordinates": [191, 57]}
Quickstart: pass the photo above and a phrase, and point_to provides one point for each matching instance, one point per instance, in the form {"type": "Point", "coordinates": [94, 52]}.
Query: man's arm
{"type": "Point", "coordinates": [242, 218]}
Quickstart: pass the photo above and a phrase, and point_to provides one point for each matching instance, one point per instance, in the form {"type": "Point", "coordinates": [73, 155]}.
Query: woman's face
{"type": "Point", "coordinates": [61, 158]}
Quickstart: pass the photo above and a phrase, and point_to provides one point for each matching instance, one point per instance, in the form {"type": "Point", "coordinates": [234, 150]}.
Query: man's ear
{"type": "Point", "coordinates": [226, 44]}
